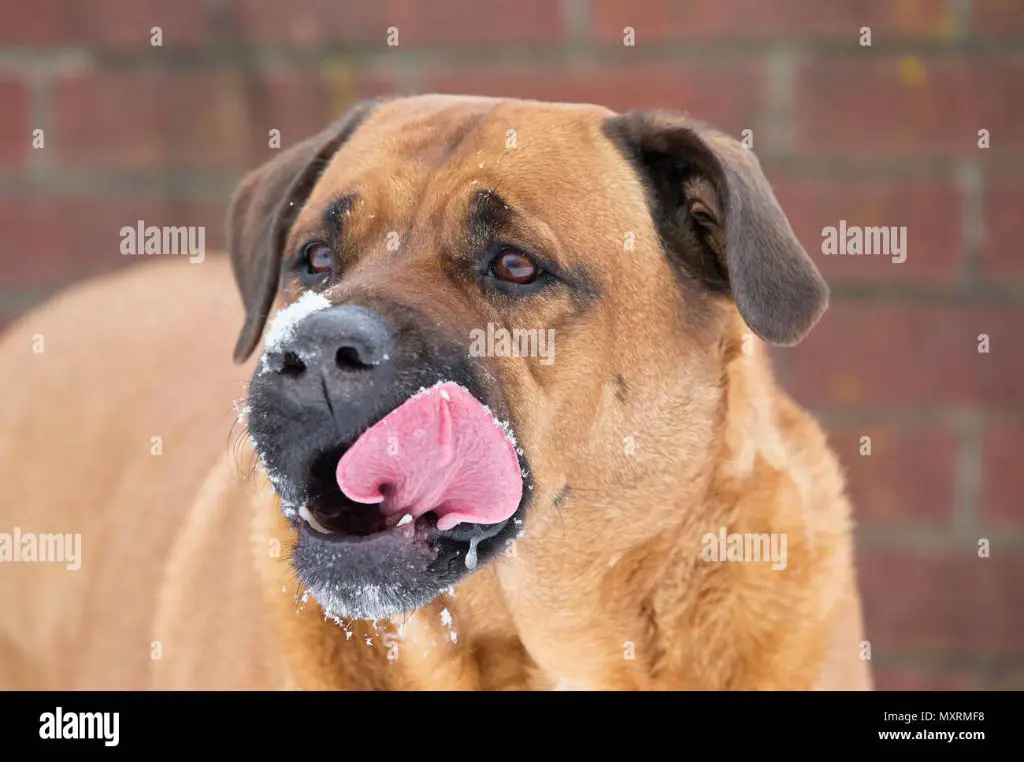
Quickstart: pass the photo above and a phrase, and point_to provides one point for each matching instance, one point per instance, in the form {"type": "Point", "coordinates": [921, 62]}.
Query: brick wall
{"type": "Point", "coordinates": [886, 134]}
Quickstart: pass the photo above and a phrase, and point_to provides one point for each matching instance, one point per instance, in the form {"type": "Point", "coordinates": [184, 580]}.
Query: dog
{"type": "Point", "coordinates": [407, 487]}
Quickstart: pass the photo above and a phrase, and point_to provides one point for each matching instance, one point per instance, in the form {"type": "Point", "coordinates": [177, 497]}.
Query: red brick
{"type": "Point", "coordinates": [143, 119]}
{"type": "Point", "coordinates": [301, 103]}
{"type": "Point", "coordinates": [728, 96]}
{"type": "Point", "coordinates": [871, 107]}
{"type": "Point", "coordinates": [919, 679]}
{"type": "Point", "coordinates": [996, 18]}
{"type": "Point", "coordinates": [459, 23]}
{"type": "Point", "coordinates": [1003, 253]}
{"type": "Point", "coordinates": [667, 20]}
{"type": "Point", "coordinates": [471, 23]}
{"type": "Point", "coordinates": [61, 240]}
{"type": "Point", "coordinates": [15, 125]}
{"type": "Point", "coordinates": [105, 23]}
{"type": "Point", "coordinates": [308, 22]}
{"type": "Point", "coordinates": [206, 119]}
{"type": "Point", "coordinates": [1003, 485]}
{"type": "Point", "coordinates": [907, 478]}
{"type": "Point", "coordinates": [958, 604]}
{"type": "Point", "coordinates": [933, 247]}
{"type": "Point", "coordinates": [908, 354]}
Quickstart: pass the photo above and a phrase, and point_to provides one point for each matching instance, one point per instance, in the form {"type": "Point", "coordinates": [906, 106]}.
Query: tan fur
{"type": "Point", "coordinates": [606, 591]}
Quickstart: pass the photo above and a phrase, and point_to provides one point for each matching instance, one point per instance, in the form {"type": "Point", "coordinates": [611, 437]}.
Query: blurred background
{"type": "Point", "coordinates": [153, 109]}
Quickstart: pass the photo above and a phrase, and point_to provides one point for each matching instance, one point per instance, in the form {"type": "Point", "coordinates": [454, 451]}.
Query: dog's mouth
{"type": "Point", "coordinates": [438, 465]}
{"type": "Point", "coordinates": [330, 513]}
{"type": "Point", "coordinates": [330, 516]}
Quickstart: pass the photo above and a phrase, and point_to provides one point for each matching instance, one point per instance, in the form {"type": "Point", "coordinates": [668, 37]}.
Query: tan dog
{"type": "Point", "coordinates": [609, 547]}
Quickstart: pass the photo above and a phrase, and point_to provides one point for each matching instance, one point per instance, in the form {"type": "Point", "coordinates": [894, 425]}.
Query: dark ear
{"type": "Point", "coordinates": [716, 213]}
{"type": "Point", "coordinates": [262, 209]}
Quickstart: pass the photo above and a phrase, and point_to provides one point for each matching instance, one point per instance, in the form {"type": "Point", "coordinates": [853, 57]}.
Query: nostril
{"type": "Point", "coordinates": [348, 358]}
{"type": "Point", "coordinates": [291, 365]}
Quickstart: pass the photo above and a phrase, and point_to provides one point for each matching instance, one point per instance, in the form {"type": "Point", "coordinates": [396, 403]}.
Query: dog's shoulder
{"type": "Point", "coordinates": [117, 400]}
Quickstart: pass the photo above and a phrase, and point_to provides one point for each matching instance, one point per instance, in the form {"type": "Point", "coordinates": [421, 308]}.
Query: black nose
{"type": "Point", "coordinates": [338, 353]}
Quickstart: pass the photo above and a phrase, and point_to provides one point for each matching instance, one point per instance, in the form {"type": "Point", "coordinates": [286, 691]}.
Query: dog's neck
{"type": "Point", "coordinates": [658, 615]}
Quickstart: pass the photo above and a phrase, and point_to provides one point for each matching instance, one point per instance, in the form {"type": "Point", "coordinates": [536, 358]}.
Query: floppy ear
{"type": "Point", "coordinates": [262, 209]}
{"type": "Point", "coordinates": [717, 215]}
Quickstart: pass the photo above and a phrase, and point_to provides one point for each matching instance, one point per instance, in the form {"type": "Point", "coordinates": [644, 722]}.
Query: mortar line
{"type": "Point", "coordinates": [777, 117]}
{"type": "Point", "coordinates": [967, 477]}
{"type": "Point", "coordinates": [969, 179]}
{"type": "Point", "coordinates": [925, 538]}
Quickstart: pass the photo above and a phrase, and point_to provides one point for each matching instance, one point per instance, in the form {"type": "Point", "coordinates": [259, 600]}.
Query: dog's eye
{"type": "Point", "coordinates": [702, 213]}
{"type": "Point", "coordinates": [513, 266]}
{"type": "Point", "coordinates": [318, 262]}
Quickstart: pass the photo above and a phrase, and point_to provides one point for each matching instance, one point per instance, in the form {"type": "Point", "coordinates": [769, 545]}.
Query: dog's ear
{"type": "Point", "coordinates": [717, 215]}
{"type": "Point", "coordinates": [261, 211]}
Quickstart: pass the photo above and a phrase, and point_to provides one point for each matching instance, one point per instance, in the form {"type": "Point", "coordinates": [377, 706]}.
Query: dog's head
{"type": "Point", "coordinates": [499, 317]}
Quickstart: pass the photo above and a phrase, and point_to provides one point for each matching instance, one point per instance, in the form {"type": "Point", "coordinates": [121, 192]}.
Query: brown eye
{"type": "Point", "coordinates": [701, 212]}
{"type": "Point", "coordinates": [514, 267]}
{"type": "Point", "coordinates": [318, 261]}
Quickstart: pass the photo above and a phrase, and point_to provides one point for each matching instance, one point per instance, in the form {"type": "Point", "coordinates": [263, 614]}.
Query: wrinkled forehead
{"type": "Point", "coordinates": [414, 153]}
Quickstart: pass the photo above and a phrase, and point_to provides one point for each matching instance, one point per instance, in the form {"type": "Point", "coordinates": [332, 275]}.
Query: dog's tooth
{"type": "Point", "coordinates": [407, 518]}
{"type": "Point", "coordinates": [305, 513]}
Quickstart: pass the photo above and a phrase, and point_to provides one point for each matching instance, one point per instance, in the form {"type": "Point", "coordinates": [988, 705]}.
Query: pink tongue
{"type": "Point", "coordinates": [439, 451]}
